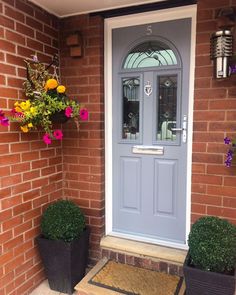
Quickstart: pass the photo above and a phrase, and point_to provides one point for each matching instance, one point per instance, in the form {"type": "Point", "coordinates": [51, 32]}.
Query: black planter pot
{"type": "Point", "coordinates": [200, 282]}
{"type": "Point", "coordinates": [59, 117]}
{"type": "Point", "coordinates": [64, 263]}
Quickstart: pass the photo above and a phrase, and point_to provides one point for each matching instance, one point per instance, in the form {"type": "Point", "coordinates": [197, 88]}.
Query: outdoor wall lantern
{"type": "Point", "coordinates": [222, 44]}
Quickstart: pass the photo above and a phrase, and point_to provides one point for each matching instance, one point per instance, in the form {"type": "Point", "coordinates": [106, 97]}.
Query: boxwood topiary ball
{"type": "Point", "coordinates": [62, 220]}
{"type": "Point", "coordinates": [212, 244]}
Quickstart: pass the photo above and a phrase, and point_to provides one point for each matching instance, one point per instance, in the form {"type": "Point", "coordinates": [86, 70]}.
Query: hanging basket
{"type": "Point", "coordinates": [59, 117]}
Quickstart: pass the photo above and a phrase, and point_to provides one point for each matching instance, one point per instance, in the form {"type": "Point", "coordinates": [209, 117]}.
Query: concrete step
{"type": "Point", "coordinates": [150, 256]}
{"type": "Point", "coordinates": [85, 288]}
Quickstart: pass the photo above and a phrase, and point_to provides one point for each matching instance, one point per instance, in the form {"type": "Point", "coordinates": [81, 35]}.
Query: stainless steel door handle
{"type": "Point", "coordinates": [183, 129]}
{"type": "Point", "coordinates": [176, 129]}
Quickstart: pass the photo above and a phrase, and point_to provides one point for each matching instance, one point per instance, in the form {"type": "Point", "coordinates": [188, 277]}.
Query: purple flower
{"type": "Point", "coordinates": [229, 158]}
{"type": "Point", "coordinates": [227, 140]}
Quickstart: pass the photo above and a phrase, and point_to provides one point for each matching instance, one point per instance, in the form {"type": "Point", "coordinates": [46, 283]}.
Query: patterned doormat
{"type": "Point", "coordinates": [133, 280]}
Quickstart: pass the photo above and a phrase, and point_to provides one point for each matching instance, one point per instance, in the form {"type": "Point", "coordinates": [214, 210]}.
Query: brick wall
{"type": "Point", "coordinates": [213, 185]}
{"type": "Point", "coordinates": [30, 173]}
{"type": "Point", "coordinates": [83, 149]}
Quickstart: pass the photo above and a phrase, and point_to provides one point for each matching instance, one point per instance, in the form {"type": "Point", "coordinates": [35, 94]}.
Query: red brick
{"type": "Point", "coordinates": [2, 80]}
{"type": "Point", "coordinates": [221, 191]}
{"type": "Point", "coordinates": [13, 243]}
{"type": "Point", "coordinates": [14, 14]}
{"type": "Point", "coordinates": [14, 263]}
{"type": "Point", "coordinates": [14, 82]}
{"type": "Point", "coordinates": [6, 22]}
{"type": "Point", "coordinates": [50, 31]}
{"type": "Point", "coordinates": [11, 223]}
{"type": "Point", "coordinates": [10, 180]}
{"type": "Point", "coordinates": [9, 159]}
{"type": "Point", "coordinates": [34, 24]}
{"type": "Point", "coordinates": [223, 104]}
{"type": "Point", "coordinates": [206, 200]}
{"type": "Point", "coordinates": [7, 46]}
{"type": "Point", "coordinates": [24, 30]}
{"type": "Point", "coordinates": [32, 44]}
{"type": "Point", "coordinates": [19, 188]}
{"type": "Point", "coordinates": [43, 38]}
{"type": "Point", "coordinates": [5, 171]}
{"type": "Point", "coordinates": [14, 37]}
{"type": "Point", "coordinates": [21, 167]}
{"type": "Point", "coordinates": [208, 137]}
{"type": "Point", "coordinates": [22, 6]}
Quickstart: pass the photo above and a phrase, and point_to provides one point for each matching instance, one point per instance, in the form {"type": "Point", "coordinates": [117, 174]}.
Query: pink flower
{"type": "Point", "coordinates": [58, 134]}
{"type": "Point", "coordinates": [47, 138]}
{"type": "Point", "coordinates": [68, 112]}
{"type": "Point", "coordinates": [84, 114]}
{"type": "Point", "coordinates": [4, 122]}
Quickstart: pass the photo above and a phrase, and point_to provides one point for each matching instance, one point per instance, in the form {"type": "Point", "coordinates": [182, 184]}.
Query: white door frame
{"type": "Point", "coordinates": [132, 20]}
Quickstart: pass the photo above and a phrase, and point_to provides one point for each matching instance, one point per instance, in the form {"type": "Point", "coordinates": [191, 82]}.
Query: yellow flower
{"type": "Point", "coordinates": [33, 111]}
{"type": "Point", "coordinates": [25, 128]}
{"type": "Point", "coordinates": [18, 109]}
{"type": "Point", "coordinates": [30, 125]}
{"type": "Point", "coordinates": [16, 104]}
{"type": "Point", "coordinates": [25, 105]}
{"type": "Point", "coordinates": [61, 89]}
{"type": "Point", "coordinates": [51, 84]}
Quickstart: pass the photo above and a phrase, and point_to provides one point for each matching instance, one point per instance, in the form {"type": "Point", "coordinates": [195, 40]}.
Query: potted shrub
{"type": "Point", "coordinates": [63, 245]}
{"type": "Point", "coordinates": [209, 268]}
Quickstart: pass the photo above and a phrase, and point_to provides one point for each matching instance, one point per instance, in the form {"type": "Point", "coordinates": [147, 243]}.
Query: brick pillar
{"type": "Point", "coordinates": [83, 147]}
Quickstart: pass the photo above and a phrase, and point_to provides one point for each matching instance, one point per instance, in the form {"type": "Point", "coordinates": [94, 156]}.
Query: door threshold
{"type": "Point", "coordinates": [143, 249]}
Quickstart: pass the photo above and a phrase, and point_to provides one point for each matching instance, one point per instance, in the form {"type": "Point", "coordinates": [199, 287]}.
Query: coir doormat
{"type": "Point", "coordinates": [133, 280]}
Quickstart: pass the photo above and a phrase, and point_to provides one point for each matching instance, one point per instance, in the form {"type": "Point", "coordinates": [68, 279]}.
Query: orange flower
{"type": "Point", "coordinates": [51, 84]}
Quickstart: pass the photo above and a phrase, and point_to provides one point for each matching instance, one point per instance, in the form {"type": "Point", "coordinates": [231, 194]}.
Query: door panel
{"type": "Point", "coordinates": [165, 180]}
{"type": "Point", "coordinates": [150, 88]}
{"type": "Point", "coordinates": [130, 183]}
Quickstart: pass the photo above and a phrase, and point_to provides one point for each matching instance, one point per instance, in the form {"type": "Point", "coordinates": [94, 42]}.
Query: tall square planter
{"type": "Point", "coordinates": [200, 282]}
{"type": "Point", "coordinates": [64, 263]}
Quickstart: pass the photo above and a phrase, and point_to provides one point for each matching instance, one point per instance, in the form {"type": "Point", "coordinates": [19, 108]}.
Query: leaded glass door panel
{"type": "Point", "coordinates": [150, 105]}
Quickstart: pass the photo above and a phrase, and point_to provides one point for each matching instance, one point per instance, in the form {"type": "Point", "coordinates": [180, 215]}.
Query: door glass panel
{"type": "Point", "coordinates": [130, 108]}
{"type": "Point", "coordinates": [150, 54]}
{"type": "Point", "coordinates": [166, 107]}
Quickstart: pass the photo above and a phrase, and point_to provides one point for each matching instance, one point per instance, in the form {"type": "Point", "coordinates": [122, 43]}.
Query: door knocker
{"type": "Point", "coordinates": [148, 88]}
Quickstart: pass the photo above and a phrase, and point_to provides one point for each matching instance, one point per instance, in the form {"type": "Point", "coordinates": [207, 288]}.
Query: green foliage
{"type": "Point", "coordinates": [63, 220]}
{"type": "Point", "coordinates": [212, 244]}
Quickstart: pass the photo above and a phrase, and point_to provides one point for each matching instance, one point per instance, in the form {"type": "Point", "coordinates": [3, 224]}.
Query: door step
{"type": "Point", "coordinates": [145, 255]}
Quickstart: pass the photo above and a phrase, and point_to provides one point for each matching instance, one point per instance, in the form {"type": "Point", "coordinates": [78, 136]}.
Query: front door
{"type": "Point", "coordinates": [150, 86]}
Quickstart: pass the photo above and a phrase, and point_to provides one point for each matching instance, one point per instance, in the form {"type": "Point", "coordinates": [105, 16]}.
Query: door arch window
{"type": "Point", "coordinates": [151, 53]}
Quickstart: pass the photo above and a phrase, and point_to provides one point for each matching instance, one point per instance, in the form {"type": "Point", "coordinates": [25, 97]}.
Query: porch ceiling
{"type": "Point", "coordinates": [66, 8]}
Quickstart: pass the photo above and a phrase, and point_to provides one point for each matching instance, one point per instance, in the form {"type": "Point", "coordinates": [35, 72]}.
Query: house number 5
{"type": "Point", "coordinates": [149, 30]}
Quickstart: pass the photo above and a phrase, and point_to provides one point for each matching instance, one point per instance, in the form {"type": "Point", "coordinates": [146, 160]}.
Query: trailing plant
{"type": "Point", "coordinates": [212, 244]}
{"type": "Point", "coordinates": [62, 220]}
{"type": "Point", "coordinates": [45, 98]}
{"type": "Point", "coordinates": [231, 151]}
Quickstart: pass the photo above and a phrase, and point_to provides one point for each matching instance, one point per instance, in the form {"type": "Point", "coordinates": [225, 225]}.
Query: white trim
{"type": "Point", "coordinates": [126, 21]}
{"type": "Point", "coordinates": [44, 7]}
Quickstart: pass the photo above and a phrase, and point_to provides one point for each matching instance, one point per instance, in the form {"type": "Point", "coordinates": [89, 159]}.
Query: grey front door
{"type": "Point", "coordinates": [150, 88]}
